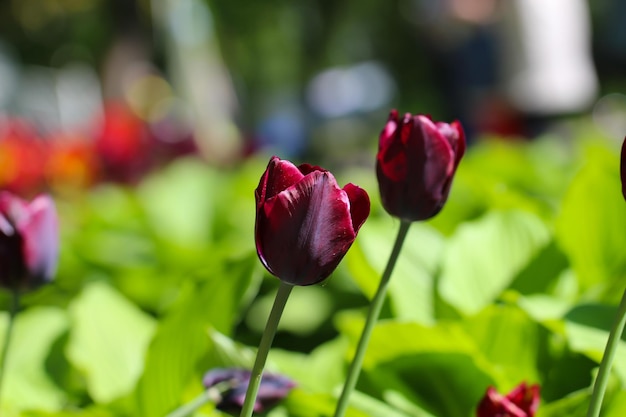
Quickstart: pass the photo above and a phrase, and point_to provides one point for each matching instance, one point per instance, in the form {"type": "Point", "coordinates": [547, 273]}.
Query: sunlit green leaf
{"type": "Point", "coordinates": [322, 370]}
{"type": "Point", "coordinates": [182, 338]}
{"type": "Point", "coordinates": [411, 285]}
{"type": "Point", "coordinates": [180, 201]}
{"type": "Point", "coordinates": [483, 257]}
{"type": "Point", "coordinates": [26, 384]}
{"type": "Point", "coordinates": [108, 340]}
{"type": "Point", "coordinates": [592, 221]}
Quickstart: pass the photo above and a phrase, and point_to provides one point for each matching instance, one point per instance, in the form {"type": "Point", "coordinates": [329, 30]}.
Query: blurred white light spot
{"type": "Point", "coordinates": [609, 115]}
{"type": "Point", "coordinates": [190, 22]}
{"type": "Point", "coordinates": [337, 92]}
{"type": "Point", "coordinates": [78, 95]}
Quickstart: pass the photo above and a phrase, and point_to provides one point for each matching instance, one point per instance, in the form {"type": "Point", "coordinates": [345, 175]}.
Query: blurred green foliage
{"type": "Point", "coordinates": [515, 280]}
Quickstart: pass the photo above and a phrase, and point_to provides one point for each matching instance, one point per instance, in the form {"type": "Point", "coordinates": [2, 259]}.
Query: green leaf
{"type": "Point", "coordinates": [508, 175]}
{"type": "Point", "coordinates": [84, 412]}
{"type": "Point", "coordinates": [373, 407]}
{"type": "Point", "coordinates": [26, 384]}
{"type": "Point", "coordinates": [180, 200]}
{"type": "Point", "coordinates": [411, 286]}
{"type": "Point", "coordinates": [590, 228]}
{"type": "Point", "coordinates": [587, 331]}
{"type": "Point", "coordinates": [572, 405]}
{"type": "Point", "coordinates": [510, 340]}
{"type": "Point", "coordinates": [616, 407]}
{"type": "Point", "coordinates": [321, 370]}
{"type": "Point", "coordinates": [501, 346]}
{"type": "Point", "coordinates": [483, 258]}
{"type": "Point", "coordinates": [303, 404]}
{"type": "Point", "coordinates": [182, 339]}
{"type": "Point", "coordinates": [392, 339]}
{"type": "Point", "coordinates": [108, 340]}
{"type": "Point", "coordinates": [307, 309]}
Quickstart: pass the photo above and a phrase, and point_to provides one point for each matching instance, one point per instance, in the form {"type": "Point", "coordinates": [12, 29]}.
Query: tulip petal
{"type": "Point", "coordinates": [436, 150]}
{"type": "Point", "coordinates": [494, 404]}
{"type": "Point", "coordinates": [389, 131]}
{"type": "Point", "coordinates": [304, 231]}
{"type": "Point", "coordinates": [13, 207]}
{"type": "Point", "coordinates": [39, 230]}
{"type": "Point", "coordinates": [29, 240]}
{"type": "Point", "coordinates": [6, 228]}
{"type": "Point", "coordinates": [459, 148]}
{"type": "Point", "coordinates": [527, 398]}
{"type": "Point", "coordinates": [391, 152]}
{"type": "Point", "coordinates": [431, 167]}
{"type": "Point", "coordinates": [279, 175]}
{"type": "Point", "coordinates": [359, 205]}
{"type": "Point", "coordinates": [306, 169]}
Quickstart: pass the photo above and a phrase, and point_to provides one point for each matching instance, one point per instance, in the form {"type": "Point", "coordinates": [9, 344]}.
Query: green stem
{"type": "Point", "coordinates": [192, 406]}
{"type": "Point", "coordinates": [214, 393]}
{"type": "Point", "coordinates": [602, 379]}
{"type": "Point", "coordinates": [372, 317]}
{"type": "Point", "coordinates": [264, 347]}
{"type": "Point", "coordinates": [15, 304]}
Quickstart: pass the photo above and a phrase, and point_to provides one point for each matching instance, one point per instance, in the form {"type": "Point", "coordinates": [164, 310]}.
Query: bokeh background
{"type": "Point", "coordinates": [151, 121]}
{"type": "Point", "coordinates": [149, 80]}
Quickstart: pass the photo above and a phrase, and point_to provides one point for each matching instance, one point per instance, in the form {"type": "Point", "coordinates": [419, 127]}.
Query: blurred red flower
{"type": "Point", "coordinates": [522, 401]}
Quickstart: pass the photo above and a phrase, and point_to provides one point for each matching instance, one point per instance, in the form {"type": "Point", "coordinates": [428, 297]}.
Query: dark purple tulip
{"type": "Point", "coordinates": [231, 384]}
{"type": "Point", "coordinates": [305, 223]}
{"type": "Point", "coordinates": [623, 168]}
{"type": "Point", "coordinates": [29, 241]}
{"type": "Point", "coordinates": [523, 401]}
{"type": "Point", "coordinates": [416, 161]}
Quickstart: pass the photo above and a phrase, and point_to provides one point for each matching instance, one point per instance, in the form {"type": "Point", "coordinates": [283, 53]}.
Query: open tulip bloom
{"type": "Point", "coordinates": [305, 224]}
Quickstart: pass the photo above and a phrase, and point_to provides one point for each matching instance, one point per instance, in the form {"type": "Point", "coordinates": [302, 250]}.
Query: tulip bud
{"type": "Point", "coordinates": [305, 223]}
{"type": "Point", "coordinates": [623, 168]}
{"type": "Point", "coordinates": [28, 241]}
{"type": "Point", "coordinates": [523, 401]}
{"type": "Point", "coordinates": [230, 387]}
{"type": "Point", "coordinates": [416, 161]}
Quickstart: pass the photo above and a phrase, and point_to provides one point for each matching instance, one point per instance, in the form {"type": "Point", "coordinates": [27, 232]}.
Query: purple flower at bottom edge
{"type": "Point", "coordinates": [232, 384]}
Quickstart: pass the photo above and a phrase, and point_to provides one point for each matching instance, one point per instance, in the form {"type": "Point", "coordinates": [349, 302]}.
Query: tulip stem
{"type": "Point", "coordinates": [372, 317]}
{"type": "Point", "coordinates": [192, 405]}
{"type": "Point", "coordinates": [214, 393]}
{"type": "Point", "coordinates": [599, 386]}
{"type": "Point", "coordinates": [15, 304]}
{"type": "Point", "coordinates": [264, 347]}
